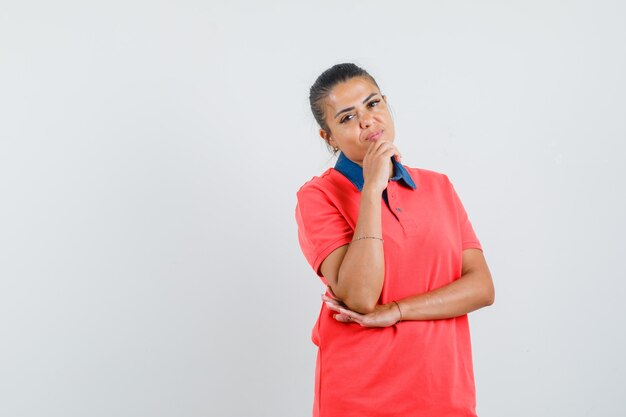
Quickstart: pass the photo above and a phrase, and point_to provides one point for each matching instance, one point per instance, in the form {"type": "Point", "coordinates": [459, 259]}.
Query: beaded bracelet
{"type": "Point", "coordinates": [368, 237]}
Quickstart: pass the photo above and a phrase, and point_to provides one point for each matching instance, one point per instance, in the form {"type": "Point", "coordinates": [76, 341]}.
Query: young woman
{"type": "Point", "coordinates": [401, 262]}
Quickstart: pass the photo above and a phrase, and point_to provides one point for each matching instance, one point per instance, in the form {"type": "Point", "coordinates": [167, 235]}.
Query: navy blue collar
{"type": "Point", "coordinates": [354, 172]}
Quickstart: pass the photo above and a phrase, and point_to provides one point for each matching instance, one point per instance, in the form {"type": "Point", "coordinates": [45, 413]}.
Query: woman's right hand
{"type": "Point", "coordinates": [384, 315]}
{"type": "Point", "coordinates": [377, 166]}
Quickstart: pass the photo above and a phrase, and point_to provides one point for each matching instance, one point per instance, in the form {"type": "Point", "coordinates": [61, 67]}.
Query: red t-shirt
{"type": "Point", "coordinates": [414, 368]}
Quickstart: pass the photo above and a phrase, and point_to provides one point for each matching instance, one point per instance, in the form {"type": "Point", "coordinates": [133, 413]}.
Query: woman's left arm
{"type": "Point", "coordinates": [473, 290]}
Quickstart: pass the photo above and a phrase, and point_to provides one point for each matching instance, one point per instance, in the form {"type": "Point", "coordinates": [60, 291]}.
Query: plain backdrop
{"type": "Point", "coordinates": [150, 152]}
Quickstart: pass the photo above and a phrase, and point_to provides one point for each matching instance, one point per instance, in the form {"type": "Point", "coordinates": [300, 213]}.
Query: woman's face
{"type": "Point", "coordinates": [357, 115]}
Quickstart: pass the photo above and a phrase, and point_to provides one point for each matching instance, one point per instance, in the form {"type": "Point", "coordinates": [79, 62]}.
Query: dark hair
{"type": "Point", "coordinates": [326, 82]}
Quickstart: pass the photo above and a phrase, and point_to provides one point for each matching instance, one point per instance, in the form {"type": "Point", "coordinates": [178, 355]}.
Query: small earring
{"type": "Point", "coordinates": [336, 149]}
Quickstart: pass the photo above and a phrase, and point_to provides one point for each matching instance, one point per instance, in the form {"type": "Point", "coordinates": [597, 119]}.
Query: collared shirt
{"type": "Point", "coordinates": [419, 367]}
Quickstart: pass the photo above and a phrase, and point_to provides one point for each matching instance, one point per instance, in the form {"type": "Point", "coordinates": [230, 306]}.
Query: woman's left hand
{"type": "Point", "coordinates": [384, 315]}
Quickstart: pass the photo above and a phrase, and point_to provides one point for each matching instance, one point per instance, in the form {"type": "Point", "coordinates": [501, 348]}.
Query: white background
{"type": "Point", "coordinates": [150, 153]}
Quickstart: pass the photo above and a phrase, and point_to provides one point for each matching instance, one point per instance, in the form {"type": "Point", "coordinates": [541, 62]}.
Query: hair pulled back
{"type": "Point", "coordinates": [326, 82]}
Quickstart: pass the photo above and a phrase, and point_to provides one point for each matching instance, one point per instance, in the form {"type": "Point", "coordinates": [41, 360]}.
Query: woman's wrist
{"type": "Point", "coordinates": [399, 311]}
{"type": "Point", "coordinates": [371, 191]}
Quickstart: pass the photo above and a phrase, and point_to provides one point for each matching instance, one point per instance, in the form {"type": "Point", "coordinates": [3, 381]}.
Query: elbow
{"type": "Point", "coordinates": [362, 302]}
{"type": "Point", "coordinates": [490, 296]}
{"type": "Point", "coordinates": [359, 301]}
{"type": "Point", "coordinates": [490, 300]}
{"type": "Point", "coordinates": [485, 290]}
{"type": "Point", "coordinates": [361, 306]}
{"type": "Point", "coordinates": [358, 296]}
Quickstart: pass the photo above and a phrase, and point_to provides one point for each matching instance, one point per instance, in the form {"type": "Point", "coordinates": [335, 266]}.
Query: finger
{"type": "Point", "coordinates": [358, 321]}
{"type": "Point", "coordinates": [376, 147]}
{"type": "Point", "coordinates": [370, 150]}
{"type": "Point", "coordinates": [331, 293]}
{"type": "Point", "coordinates": [386, 151]}
{"type": "Point", "coordinates": [334, 301]}
{"type": "Point", "coordinates": [386, 148]}
{"type": "Point", "coordinates": [342, 318]}
{"type": "Point", "coordinates": [379, 150]}
{"type": "Point", "coordinates": [352, 314]}
{"type": "Point", "coordinates": [393, 154]}
{"type": "Point", "coordinates": [333, 306]}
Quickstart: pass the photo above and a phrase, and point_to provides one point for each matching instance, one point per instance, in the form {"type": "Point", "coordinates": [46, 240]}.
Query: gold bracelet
{"type": "Point", "coordinates": [368, 237]}
{"type": "Point", "coordinates": [398, 305]}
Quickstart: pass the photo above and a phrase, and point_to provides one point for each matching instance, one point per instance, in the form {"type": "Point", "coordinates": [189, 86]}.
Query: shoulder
{"type": "Point", "coordinates": [426, 178]}
{"type": "Point", "coordinates": [316, 182]}
{"type": "Point", "coordinates": [328, 183]}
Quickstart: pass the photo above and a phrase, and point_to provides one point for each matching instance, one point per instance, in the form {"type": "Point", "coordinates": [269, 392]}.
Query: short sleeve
{"type": "Point", "coordinates": [321, 226]}
{"type": "Point", "coordinates": [468, 236]}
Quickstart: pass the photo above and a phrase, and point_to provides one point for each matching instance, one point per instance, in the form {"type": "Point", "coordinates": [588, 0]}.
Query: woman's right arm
{"type": "Point", "coordinates": [355, 272]}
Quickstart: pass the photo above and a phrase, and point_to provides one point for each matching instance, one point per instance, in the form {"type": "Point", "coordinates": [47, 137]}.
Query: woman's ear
{"type": "Point", "coordinates": [326, 137]}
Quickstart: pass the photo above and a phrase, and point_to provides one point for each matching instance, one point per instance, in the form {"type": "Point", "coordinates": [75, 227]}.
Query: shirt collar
{"type": "Point", "coordinates": [354, 172]}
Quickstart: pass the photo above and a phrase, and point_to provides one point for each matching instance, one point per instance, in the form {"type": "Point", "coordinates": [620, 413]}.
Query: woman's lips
{"type": "Point", "coordinates": [374, 136]}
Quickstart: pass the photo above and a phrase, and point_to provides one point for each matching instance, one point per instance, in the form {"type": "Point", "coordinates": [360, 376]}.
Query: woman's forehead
{"type": "Point", "coordinates": [351, 93]}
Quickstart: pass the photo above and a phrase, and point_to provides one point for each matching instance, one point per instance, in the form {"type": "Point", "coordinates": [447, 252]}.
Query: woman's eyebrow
{"type": "Point", "coordinates": [352, 108]}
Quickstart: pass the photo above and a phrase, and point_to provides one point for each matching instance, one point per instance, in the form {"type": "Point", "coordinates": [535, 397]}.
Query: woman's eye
{"type": "Point", "coordinates": [346, 118]}
{"type": "Point", "coordinates": [374, 103]}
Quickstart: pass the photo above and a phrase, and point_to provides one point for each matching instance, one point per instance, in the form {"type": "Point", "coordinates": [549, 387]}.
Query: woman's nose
{"type": "Point", "coordinates": [365, 120]}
